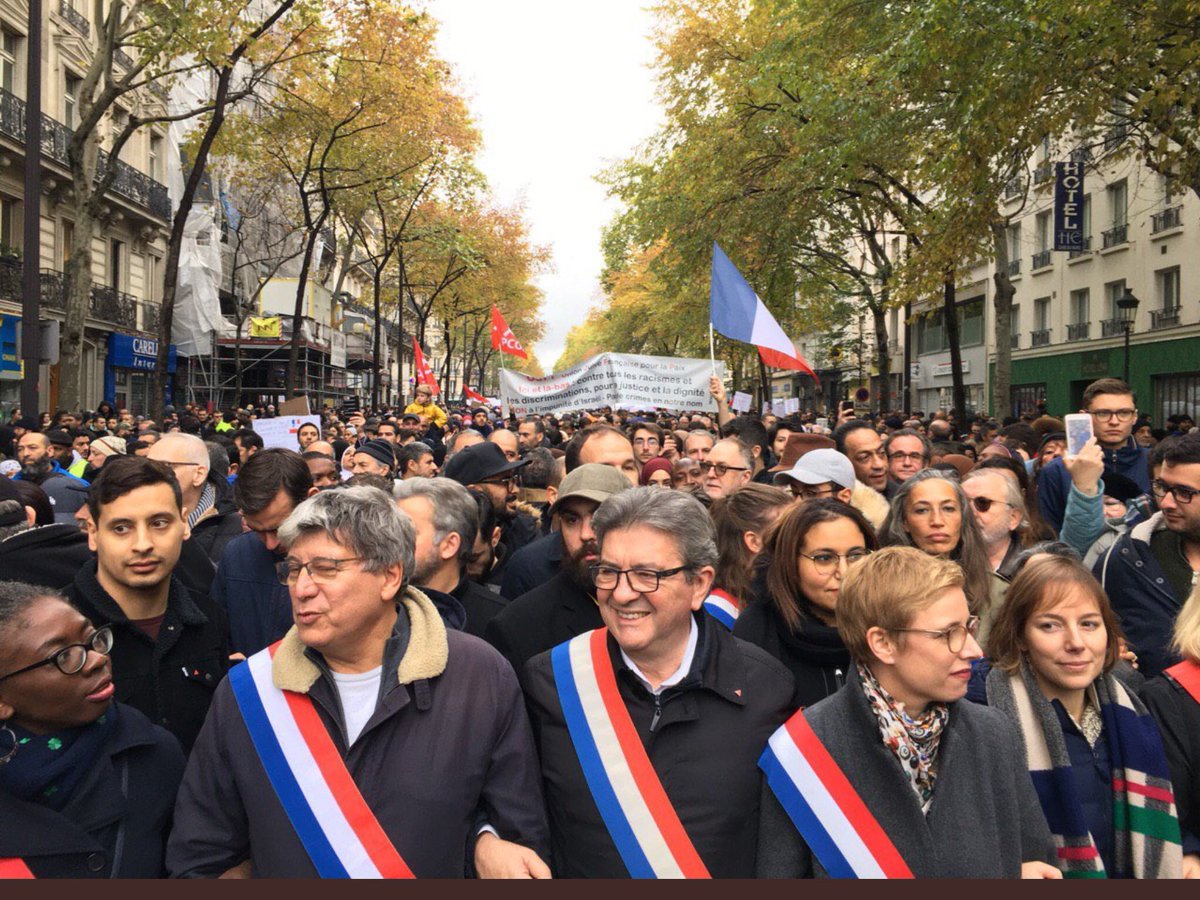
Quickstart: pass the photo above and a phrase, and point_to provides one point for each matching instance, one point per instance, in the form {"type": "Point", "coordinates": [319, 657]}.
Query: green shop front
{"type": "Point", "coordinates": [1164, 374]}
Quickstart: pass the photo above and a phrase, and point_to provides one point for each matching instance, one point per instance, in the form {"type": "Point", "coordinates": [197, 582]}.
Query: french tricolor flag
{"type": "Point", "coordinates": [738, 313]}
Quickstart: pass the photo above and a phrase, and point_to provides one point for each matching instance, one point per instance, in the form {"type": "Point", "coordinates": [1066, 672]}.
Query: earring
{"type": "Point", "coordinates": [12, 736]}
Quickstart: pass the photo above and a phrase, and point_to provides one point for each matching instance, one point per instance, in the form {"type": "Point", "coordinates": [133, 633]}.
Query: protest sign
{"type": "Point", "coordinates": [619, 380]}
{"type": "Point", "coordinates": [741, 402]}
{"type": "Point", "coordinates": [281, 431]}
{"type": "Point", "coordinates": [792, 405]}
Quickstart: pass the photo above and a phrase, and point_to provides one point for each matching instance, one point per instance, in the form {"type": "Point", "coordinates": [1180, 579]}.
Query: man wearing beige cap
{"type": "Point", "coordinates": [564, 606]}
{"type": "Point", "coordinates": [819, 474]}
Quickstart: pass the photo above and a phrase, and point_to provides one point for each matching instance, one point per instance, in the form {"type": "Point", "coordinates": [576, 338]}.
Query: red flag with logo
{"type": "Point", "coordinates": [503, 338]}
{"type": "Point", "coordinates": [474, 395]}
{"type": "Point", "coordinates": [424, 374]}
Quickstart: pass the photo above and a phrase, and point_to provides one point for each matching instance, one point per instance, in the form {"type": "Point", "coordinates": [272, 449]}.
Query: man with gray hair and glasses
{"type": "Point", "coordinates": [694, 707]}
{"type": "Point", "coordinates": [370, 740]}
{"type": "Point", "coordinates": [446, 519]}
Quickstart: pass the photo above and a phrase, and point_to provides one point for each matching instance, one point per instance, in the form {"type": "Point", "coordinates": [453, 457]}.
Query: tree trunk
{"type": "Point", "coordinates": [950, 322]}
{"type": "Point", "coordinates": [378, 369]}
{"type": "Point", "coordinates": [293, 385]}
{"type": "Point", "coordinates": [77, 274]}
{"type": "Point", "coordinates": [881, 395]}
{"type": "Point", "coordinates": [1002, 303]}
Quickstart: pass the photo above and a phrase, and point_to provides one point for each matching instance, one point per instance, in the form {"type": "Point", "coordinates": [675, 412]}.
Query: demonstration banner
{"type": "Point", "coordinates": [619, 380]}
{"type": "Point", "coordinates": [283, 431]}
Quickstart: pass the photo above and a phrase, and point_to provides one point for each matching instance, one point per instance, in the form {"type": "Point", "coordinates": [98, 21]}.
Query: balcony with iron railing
{"type": "Point", "coordinates": [122, 58]}
{"type": "Point", "coordinates": [77, 20]}
{"type": "Point", "coordinates": [1039, 338]}
{"type": "Point", "coordinates": [1115, 136]}
{"type": "Point", "coordinates": [1115, 236]}
{"type": "Point", "coordinates": [1078, 331]}
{"type": "Point", "coordinates": [128, 182]}
{"type": "Point", "coordinates": [1014, 268]}
{"type": "Point", "coordinates": [1164, 318]}
{"type": "Point", "coordinates": [1112, 327]}
{"type": "Point", "coordinates": [1043, 173]}
{"type": "Point", "coordinates": [1168, 218]}
{"type": "Point", "coordinates": [1014, 188]}
{"type": "Point", "coordinates": [1082, 154]}
{"type": "Point", "coordinates": [1041, 259]}
{"type": "Point", "coordinates": [1085, 250]}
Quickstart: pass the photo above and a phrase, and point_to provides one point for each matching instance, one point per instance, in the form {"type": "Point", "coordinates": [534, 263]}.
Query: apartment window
{"type": "Point", "coordinates": [931, 329]}
{"type": "Point", "coordinates": [116, 267]}
{"type": "Point", "coordinates": [1041, 314]}
{"type": "Point", "coordinates": [1043, 227]}
{"type": "Point", "coordinates": [1118, 203]}
{"type": "Point", "coordinates": [1043, 150]}
{"type": "Point", "coordinates": [1015, 316]}
{"type": "Point", "coordinates": [68, 235]}
{"type": "Point", "coordinates": [153, 284]}
{"type": "Point", "coordinates": [120, 118]}
{"type": "Point", "coordinates": [895, 250]}
{"type": "Point", "coordinates": [155, 158]}
{"type": "Point", "coordinates": [894, 324]}
{"type": "Point", "coordinates": [10, 225]}
{"type": "Point", "coordinates": [1014, 241]}
{"type": "Point", "coordinates": [1167, 283]}
{"type": "Point", "coordinates": [1080, 303]}
{"type": "Point", "coordinates": [9, 44]}
{"type": "Point", "coordinates": [71, 86]}
{"type": "Point", "coordinates": [1085, 219]}
{"type": "Point", "coordinates": [1114, 291]}
{"type": "Point", "coordinates": [970, 323]}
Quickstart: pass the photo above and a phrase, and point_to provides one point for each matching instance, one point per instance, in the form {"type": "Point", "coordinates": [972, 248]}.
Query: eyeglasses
{"type": "Point", "coordinates": [955, 636]}
{"type": "Point", "coordinates": [825, 562]}
{"type": "Point", "coordinates": [321, 569]}
{"type": "Point", "coordinates": [721, 468]}
{"type": "Point", "coordinates": [171, 462]}
{"type": "Point", "coordinates": [1121, 415]}
{"type": "Point", "coordinates": [983, 504]}
{"type": "Point", "coordinates": [907, 457]}
{"type": "Point", "coordinates": [1183, 495]}
{"type": "Point", "coordinates": [804, 493]}
{"type": "Point", "coordinates": [509, 481]}
{"type": "Point", "coordinates": [71, 659]}
{"type": "Point", "coordinates": [644, 581]}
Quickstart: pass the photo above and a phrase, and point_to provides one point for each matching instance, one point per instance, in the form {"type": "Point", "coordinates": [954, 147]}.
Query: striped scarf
{"type": "Point", "coordinates": [208, 497]}
{"type": "Point", "coordinates": [1146, 841]}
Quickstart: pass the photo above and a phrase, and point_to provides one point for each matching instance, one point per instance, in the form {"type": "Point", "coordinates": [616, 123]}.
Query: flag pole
{"type": "Point", "coordinates": [712, 347]}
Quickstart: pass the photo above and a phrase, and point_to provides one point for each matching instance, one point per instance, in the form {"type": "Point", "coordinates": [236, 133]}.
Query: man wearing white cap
{"type": "Point", "coordinates": [819, 473]}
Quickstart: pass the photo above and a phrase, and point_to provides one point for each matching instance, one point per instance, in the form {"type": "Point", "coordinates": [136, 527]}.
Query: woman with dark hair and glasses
{"type": "Point", "coordinates": [1092, 749]}
{"type": "Point", "coordinates": [894, 775]}
{"type": "Point", "coordinates": [805, 557]}
{"type": "Point", "coordinates": [87, 785]}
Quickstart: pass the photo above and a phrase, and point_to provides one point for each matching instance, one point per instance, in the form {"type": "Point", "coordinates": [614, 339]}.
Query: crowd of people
{"type": "Point", "coordinates": [444, 643]}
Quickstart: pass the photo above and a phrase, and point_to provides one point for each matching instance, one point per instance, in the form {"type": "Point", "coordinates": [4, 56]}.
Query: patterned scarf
{"type": "Point", "coordinates": [913, 741]}
{"type": "Point", "coordinates": [1146, 842]}
{"type": "Point", "coordinates": [208, 497]}
{"type": "Point", "coordinates": [47, 768]}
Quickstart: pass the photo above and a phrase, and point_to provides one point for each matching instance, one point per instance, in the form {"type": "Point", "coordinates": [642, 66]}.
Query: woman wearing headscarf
{"type": "Point", "coordinates": [933, 785]}
{"type": "Point", "coordinates": [1093, 750]}
{"type": "Point", "coordinates": [1174, 700]}
{"type": "Point", "coordinates": [657, 472]}
{"type": "Point", "coordinates": [931, 512]}
{"type": "Point", "coordinates": [86, 785]}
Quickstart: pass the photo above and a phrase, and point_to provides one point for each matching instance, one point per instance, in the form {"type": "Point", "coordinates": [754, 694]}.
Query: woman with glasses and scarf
{"type": "Point", "coordinates": [895, 775]}
{"type": "Point", "coordinates": [931, 512]}
{"type": "Point", "coordinates": [805, 558]}
{"type": "Point", "coordinates": [86, 785]}
{"type": "Point", "coordinates": [1092, 749]}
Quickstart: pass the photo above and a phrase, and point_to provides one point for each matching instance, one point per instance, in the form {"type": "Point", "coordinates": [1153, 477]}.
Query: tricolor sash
{"type": "Point", "coordinates": [1187, 676]}
{"type": "Point", "coordinates": [636, 810]}
{"type": "Point", "coordinates": [829, 814]}
{"type": "Point", "coordinates": [333, 821]}
{"type": "Point", "coordinates": [13, 867]}
{"type": "Point", "coordinates": [722, 607]}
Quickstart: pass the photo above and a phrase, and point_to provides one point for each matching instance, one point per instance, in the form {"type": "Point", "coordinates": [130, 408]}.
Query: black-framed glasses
{"type": "Point", "coordinates": [1121, 415]}
{"type": "Point", "coordinates": [983, 504]}
{"type": "Point", "coordinates": [803, 492]}
{"type": "Point", "coordinates": [955, 636]}
{"type": "Point", "coordinates": [644, 581]}
{"type": "Point", "coordinates": [907, 457]}
{"type": "Point", "coordinates": [71, 659]}
{"type": "Point", "coordinates": [321, 569]}
{"type": "Point", "coordinates": [825, 561]}
{"type": "Point", "coordinates": [508, 481]}
{"type": "Point", "coordinates": [1183, 495]}
{"type": "Point", "coordinates": [721, 468]}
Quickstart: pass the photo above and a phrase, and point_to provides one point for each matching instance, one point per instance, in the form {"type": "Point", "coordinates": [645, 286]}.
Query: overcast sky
{"type": "Point", "coordinates": [560, 88]}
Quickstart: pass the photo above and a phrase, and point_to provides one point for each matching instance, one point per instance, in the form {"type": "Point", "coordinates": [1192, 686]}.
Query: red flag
{"type": "Point", "coordinates": [472, 395]}
{"type": "Point", "coordinates": [503, 338]}
{"type": "Point", "coordinates": [424, 374]}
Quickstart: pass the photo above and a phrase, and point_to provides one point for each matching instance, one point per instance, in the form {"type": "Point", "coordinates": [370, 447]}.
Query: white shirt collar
{"type": "Point", "coordinates": [679, 674]}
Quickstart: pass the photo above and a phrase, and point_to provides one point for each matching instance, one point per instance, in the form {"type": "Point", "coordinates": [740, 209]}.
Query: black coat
{"type": "Point", "coordinates": [124, 802]}
{"type": "Point", "coordinates": [542, 619]}
{"type": "Point", "coordinates": [48, 556]}
{"type": "Point", "coordinates": [480, 604]}
{"type": "Point", "coordinates": [816, 655]}
{"type": "Point", "coordinates": [518, 531]}
{"type": "Point", "coordinates": [172, 679]}
{"type": "Point", "coordinates": [532, 566]}
{"type": "Point", "coordinates": [711, 729]}
{"type": "Point", "coordinates": [1178, 717]}
{"type": "Point", "coordinates": [213, 532]}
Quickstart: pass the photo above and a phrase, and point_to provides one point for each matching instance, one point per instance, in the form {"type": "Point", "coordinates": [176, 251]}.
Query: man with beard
{"type": "Point", "coordinates": [67, 493]}
{"type": "Point", "coordinates": [485, 468]}
{"type": "Point", "coordinates": [269, 487]}
{"type": "Point", "coordinates": [564, 606]}
{"type": "Point", "coordinates": [447, 523]}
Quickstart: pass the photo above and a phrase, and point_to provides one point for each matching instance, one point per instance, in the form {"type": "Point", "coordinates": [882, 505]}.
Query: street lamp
{"type": "Point", "coordinates": [1127, 306]}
